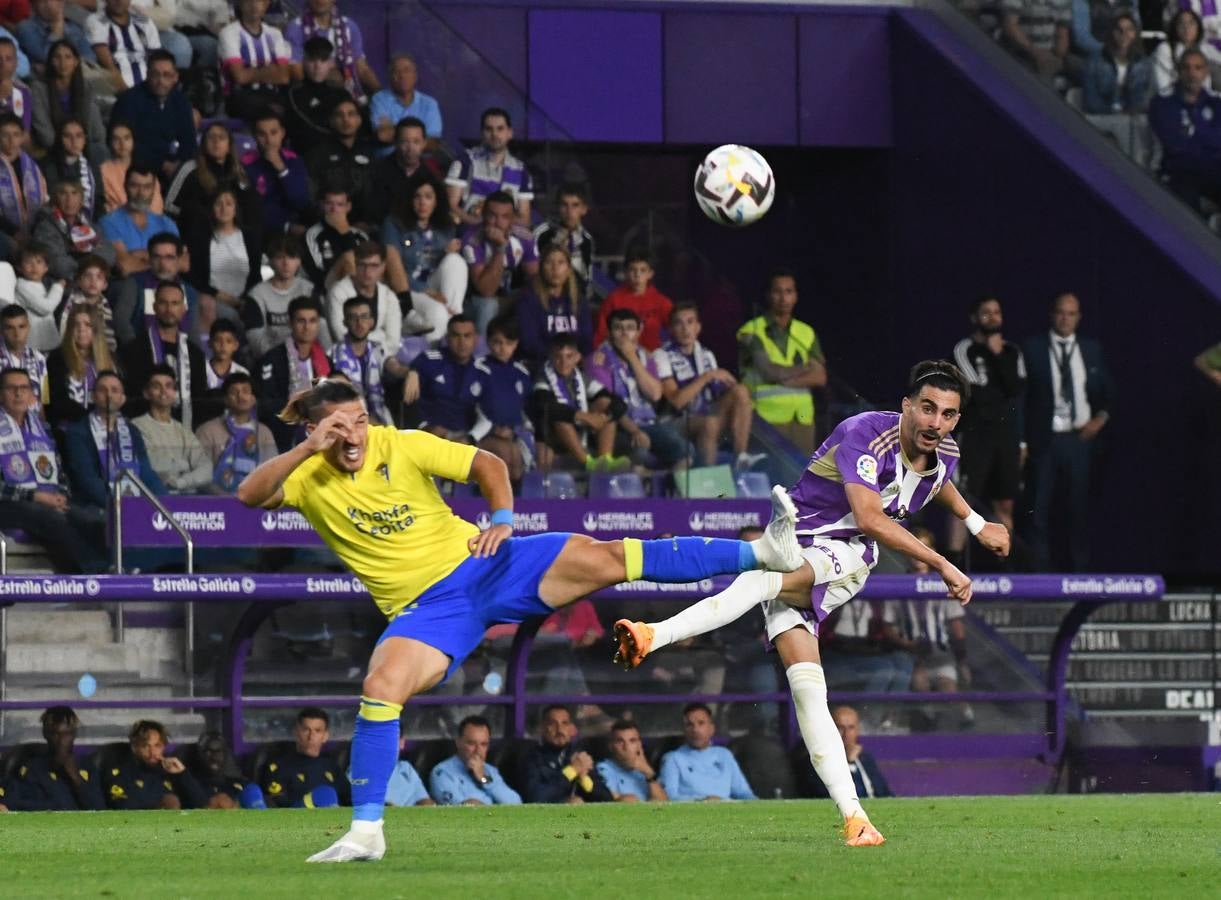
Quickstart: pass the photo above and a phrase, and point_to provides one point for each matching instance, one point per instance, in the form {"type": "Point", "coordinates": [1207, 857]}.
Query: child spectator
{"type": "Point", "coordinates": [504, 387]}
{"type": "Point", "coordinates": [236, 441]}
{"type": "Point", "coordinates": [567, 230]}
{"type": "Point", "coordinates": [254, 61]}
{"type": "Point", "coordinates": [68, 161]}
{"type": "Point", "coordinates": [312, 99]}
{"type": "Point", "coordinates": [37, 298]}
{"type": "Point", "coordinates": [365, 360]}
{"type": "Point", "coordinates": [650, 305]}
{"type": "Point", "coordinates": [291, 366]}
{"type": "Point", "coordinates": [89, 291]}
{"type": "Point", "coordinates": [176, 454]}
{"type": "Point", "coordinates": [568, 411]}
{"type": "Point", "coordinates": [553, 304]}
{"type": "Point", "coordinates": [622, 366]}
{"type": "Point", "coordinates": [73, 367]}
{"type": "Point", "coordinates": [320, 18]}
{"type": "Point", "coordinates": [709, 398]}
{"type": "Point", "coordinates": [122, 41]}
{"type": "Point", "coordinates": [265, 311]}
{"type": "Point", "coordinates": [475, 175]}
{"type": "Point", "coordinates": [422, 255]}
{"type": "Point", "coordinates": [444, 383]}
{"type": "Point", "coordinates": [18, 353]}
{"type": "Point", "coordinates": [278, 175]}
{"type": "Point", "coordinates": [114, 170]}
{"type": "Point", "coordinates": [223, 345]}
{"type": "Point", "coordinates": [22, 187]}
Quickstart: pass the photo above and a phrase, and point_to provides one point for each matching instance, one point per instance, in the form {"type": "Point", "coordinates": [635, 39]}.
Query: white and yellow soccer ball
{"type": "Point", "coordinates": [734, 185]}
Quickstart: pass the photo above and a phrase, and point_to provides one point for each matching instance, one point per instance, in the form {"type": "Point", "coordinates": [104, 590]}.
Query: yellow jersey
{"type": "Point", "coordinates": [388, 522]}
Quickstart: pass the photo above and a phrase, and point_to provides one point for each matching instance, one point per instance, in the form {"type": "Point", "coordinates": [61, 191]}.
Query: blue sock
{"type": "Point", "coordinates": [375, 750]}
{"type": "Point", "coordinates": [683, 559]}
{"type": "Point", "coordinates": [251, 797]}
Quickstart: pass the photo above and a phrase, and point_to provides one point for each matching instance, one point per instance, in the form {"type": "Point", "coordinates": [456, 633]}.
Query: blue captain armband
{"type": "Point", "coordinates": [502, 517]}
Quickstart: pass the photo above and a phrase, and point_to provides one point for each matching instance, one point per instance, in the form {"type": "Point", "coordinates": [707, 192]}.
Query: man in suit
{"type": "Point", "coordinates": [1068, 399]}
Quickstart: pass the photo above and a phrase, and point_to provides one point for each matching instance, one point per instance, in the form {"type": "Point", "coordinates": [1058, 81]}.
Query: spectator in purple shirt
{"type": "Point", "coordinates": [621, 366]}
{"type": "Point", "coordinates": [501, 256]}
{"type": "Point", "coordinates": [14, 96]}
{"type": "Point", "coordinates": [254, 60]}
{"type": "Point", "coordinates": [551, 305]}
{"type": "Point", "coordinates": [277, 175]}
{"type": "Point", "coordinates": [487, 169]}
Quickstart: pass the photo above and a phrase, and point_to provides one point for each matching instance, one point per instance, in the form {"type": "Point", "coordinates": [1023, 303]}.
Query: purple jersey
{"type": "Point", "coordinates": [864, 450]}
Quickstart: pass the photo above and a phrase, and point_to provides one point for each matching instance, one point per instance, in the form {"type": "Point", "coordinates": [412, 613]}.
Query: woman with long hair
{"type": "Point", "coordinates": [72, 367]}
{"type": "Point", "coordinates": [422, 255]}
{"type": "Point", "coordinates": [122, 143]}
{"type": "Point", "coordinates": [551, 305]}
{"type": "Point", "coordinates": [1185, 32]}
{"type": "Point", "coordinates": [69, 160]}
{"type": "Point", "coordinates": [189, 196]}
{"type": "Point", "coordinates": [224, 259]}
{"type": "Point", "coordinates": [62, 93]}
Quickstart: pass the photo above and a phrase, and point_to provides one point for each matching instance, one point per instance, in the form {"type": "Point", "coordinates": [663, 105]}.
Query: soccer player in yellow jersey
{"type": "Point", "coordinates": [368, 491]}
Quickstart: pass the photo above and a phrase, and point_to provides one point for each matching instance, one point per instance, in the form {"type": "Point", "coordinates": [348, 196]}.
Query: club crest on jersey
{"type": "Point", "coordinates": [867, 469]}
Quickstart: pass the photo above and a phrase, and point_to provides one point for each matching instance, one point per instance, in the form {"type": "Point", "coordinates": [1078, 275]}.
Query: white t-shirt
{"type": "Point", "coordinates": [129, 44]}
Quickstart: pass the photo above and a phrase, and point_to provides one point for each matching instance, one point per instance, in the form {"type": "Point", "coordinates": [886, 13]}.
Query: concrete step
{"type": "Point", "coordinates": [32, 625]}
{"type": "Point", "coordinates": [73, 658]}
{"type": "Point", "coordinates": [100, 726]}
{"type": "Point", "coordinates": [106, 690]}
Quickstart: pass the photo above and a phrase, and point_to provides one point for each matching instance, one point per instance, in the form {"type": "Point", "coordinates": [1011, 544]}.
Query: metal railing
{"type": "Point", "coordinates": [116, 506]}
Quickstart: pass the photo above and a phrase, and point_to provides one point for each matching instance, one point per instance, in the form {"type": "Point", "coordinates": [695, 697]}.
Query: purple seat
{"type": "Point", "coordinates": [619, 485]}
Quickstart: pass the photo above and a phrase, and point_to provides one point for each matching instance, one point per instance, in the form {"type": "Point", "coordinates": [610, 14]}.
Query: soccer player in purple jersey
{"type": "Point", "coordinates": [873, 471]}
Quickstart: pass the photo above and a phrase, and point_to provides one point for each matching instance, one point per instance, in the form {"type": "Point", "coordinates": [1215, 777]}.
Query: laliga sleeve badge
{"type": "Point", "coordinates": [867, 469]}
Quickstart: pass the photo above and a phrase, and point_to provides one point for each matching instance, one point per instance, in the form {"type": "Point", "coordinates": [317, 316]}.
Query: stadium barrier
{"type": "Point", "coordinates": [266, 593]}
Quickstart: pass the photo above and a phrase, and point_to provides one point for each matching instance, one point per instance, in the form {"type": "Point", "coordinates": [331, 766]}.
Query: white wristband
{"type": "Point", "coordinates": [975, 522]}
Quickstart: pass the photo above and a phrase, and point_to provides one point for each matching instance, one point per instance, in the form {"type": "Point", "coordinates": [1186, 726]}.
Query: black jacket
{"type": "Point", "coordinates": [1041, 404]}
{"type": "Point", "coordinates": [545, 781]}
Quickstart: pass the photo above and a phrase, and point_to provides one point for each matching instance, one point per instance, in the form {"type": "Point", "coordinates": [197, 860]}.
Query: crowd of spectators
{"type": "Point", "coordinates": [310, 771]}
{"type": "Point", "coordinates": [1132, 78]}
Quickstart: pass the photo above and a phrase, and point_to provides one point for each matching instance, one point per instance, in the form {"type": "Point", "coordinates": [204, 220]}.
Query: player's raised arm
{"type": "Point", "coordinates": [992, 535]}
{"type": "Point", "coordinates": [265, 485]}
{"type": "Point", "coordinates": [873, 522]}
{"type": "Point", "coordinates": [492, 476]}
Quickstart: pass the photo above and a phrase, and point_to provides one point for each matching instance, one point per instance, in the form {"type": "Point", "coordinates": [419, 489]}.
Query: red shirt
{"type": "Point", "coordinates": [15, 11]}
{"type": "Point", "coordinates": [652, 306]}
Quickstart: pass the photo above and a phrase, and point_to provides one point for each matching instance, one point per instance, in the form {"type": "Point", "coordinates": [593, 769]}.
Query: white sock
{"type": "Point", "coordinates": [361, 826]}
{"type": "Point", "coordinates": [821, 736]}
{"type": "Point", "coordinates": [747, 591]}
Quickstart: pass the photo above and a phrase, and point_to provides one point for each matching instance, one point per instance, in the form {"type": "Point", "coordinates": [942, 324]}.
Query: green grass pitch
{"type": "Point", "coordinates": [1112, 846]}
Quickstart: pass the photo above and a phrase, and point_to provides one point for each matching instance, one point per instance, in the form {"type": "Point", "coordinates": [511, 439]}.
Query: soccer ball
{"type": "Point", "coordinates": [734, 185]}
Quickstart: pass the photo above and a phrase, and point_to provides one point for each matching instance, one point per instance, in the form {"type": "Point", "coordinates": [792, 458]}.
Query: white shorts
{"type": "Point", "coordinates": [840, 570]}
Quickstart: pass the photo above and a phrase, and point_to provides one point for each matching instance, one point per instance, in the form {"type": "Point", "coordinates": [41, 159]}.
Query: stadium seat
{"type": "Point", "coordinates": [659, 747]}
{"type": "Point", "coordinates": [509, 756]}
{"type": "Point", "coordinates": [264, 754]}
{"type": "Point", "coordinates": [560, 486]}
{"type": "Point", "coordinates": [108, 756]}
{"type": "Point", "coordinates": [705, 482]}
{"type": "Point", "coordinates": [753, 484]}
{"type": "Point", "coordinates": [619, 485]}
{"type": "Point", "coordinates": [18, 756]}
{"type": "Point", "coordinates": [426, 754]}
{"type": "Point", "coordinates": [765, 765]}
{"type": "Point", "coordinates": [533, 486]}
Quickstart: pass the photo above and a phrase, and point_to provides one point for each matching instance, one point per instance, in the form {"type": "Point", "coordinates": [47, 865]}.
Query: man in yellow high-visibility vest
{"type": "Point", "coordinates": [781, 361]}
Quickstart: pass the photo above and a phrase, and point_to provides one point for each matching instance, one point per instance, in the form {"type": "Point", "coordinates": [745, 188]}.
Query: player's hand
{"type": "Point", "coordinates": [173, 765]}
{"type": "Point", "coordinates": [582, 762]}
{"type": "Point", "coordinates": [476, 768]}
{"type": "Point", "coordinates": [53, 499]}
{"type": "Point", "coordinates": [486, 543]}
{"type": "Point", "coordinates": [332, 428]}
{"type": "Point", "coordinates": [595, 420]}
{"type": "Point", "coordinates": [628, 798]}
{"type": "Point", "coordinates": [1090, 429]}
{"type": "Point", "coordinates": [957, 584]}
{"type": "Point", "coordinates": [411, 389]}
{"type": "Point", "coordinates": [723, 376]}
{"type": "Point", "coordinates": [641, 441]}
{"type": "Point", "coordinates": [995, 537]}
{"type": "Point", "coordinates": [495, 236]}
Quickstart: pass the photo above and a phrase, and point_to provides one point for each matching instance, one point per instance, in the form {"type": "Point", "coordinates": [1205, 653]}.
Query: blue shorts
{"type": "Point", "coordinates": [454, 613]}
